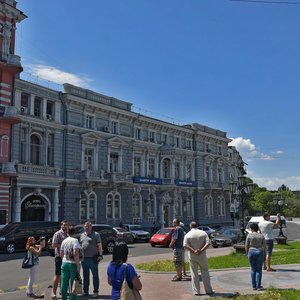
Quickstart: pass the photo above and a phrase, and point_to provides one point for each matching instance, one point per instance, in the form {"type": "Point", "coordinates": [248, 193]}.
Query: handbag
{"type": "Point", "coordinates": [28, 261]}
{"type": "Point", "coordinates": [126, 292]}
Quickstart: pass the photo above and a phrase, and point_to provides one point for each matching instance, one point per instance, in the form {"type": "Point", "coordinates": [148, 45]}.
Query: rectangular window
{"type": "Point", "coordinates": [25, 100]}
{"type": "Point", "coordinates": [138, 133]}
{"type": "Point", "coordinates": [37, 106]}
{"type": "Point", "coordinates": [114, 159]}
{"type": "Point", "coordinates": [89, 122]}
{"type": "Point", "coordinates": [207, 173]}
{"type": "Point", "coordinates": [177, 142]}
{"type": "Point", "coordinates": [88, 159]}
{"type": "Point", "coordinates": [137, 166]}
{"type": "Point", "coordinates": [220, 150]}
{"type": "Point", "coordinates": [23, 145]}
{"type": "Point", "coordinates": [165, 138]}
{"type": "Point", "coordinates": [207, 148]}
{"type": "Point", "coordinates": [188, 172]}
{"type": "Point", "coordinates": [152, 136]}
{"type": "Point", "coordinates": [189, 144]}
{"type": "Point", "coordinates": [49, 110]}
{"type": "Point", "coordinates": [114, 127]}
{"type": "Point", "coordinates": [151, 164]}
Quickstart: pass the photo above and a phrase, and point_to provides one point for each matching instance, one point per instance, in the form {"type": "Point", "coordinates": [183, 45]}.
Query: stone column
{"type": "Point", "coordinates": [55, 206]}
{"type": "Point", "coordinates": [31, 105]}
{"type": "Point", "coordinates": [17, 212]}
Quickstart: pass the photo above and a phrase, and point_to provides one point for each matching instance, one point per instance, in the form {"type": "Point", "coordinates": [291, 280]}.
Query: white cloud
{"type": "Point", "coordinates": [292, 182]}
{"type": "Point", "coordinates": [248, 150]}
{"type": "Point", "coordinates": [58, 76]}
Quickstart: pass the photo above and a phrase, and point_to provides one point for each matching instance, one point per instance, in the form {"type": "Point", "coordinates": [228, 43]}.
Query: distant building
{"type": "Point", "coordinates": [10, 66]}
{"type": "Point", "coordinates": [83, 155]}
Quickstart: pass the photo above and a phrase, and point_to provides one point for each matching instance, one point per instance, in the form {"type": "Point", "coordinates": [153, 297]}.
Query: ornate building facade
{"type": "Point", "coordinates": [10, 66]}
{"type": "Point", "coordinates": [83, 155]}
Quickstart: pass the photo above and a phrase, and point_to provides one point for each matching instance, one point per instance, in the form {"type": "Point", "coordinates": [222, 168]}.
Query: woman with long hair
{"type": "Point", "coordinates": [34, 250]}
{"type": "Point", "coordinates": [116, 271]}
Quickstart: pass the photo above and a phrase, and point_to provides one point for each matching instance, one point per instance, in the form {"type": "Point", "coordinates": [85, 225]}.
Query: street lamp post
{"type": "Point", "coordinates": [278, 202]}
{"type": "Point", "coordinates": [241, 189]}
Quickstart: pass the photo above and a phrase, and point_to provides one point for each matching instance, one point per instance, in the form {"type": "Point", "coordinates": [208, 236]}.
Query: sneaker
{"type": "Point", "coordinates": [261, 288]}
{"type": "Point", "coordinates": [212, 293]}
{"type": "Point", "coordinates": [95, 295]}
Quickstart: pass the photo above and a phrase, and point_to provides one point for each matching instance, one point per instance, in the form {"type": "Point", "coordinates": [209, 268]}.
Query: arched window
{"type": "Point", "coordinates": [113, 206]}
{"type": "Point", "coordinates": [166, 168]}
{"type": "Point", "coordinates": [88, 207]}
{"type": "Point", "coordinates": [136, 205]}
{"type": "Point", "coordinates": [35, 150]}
{"type": "Point", "coordinates": [221, 206]}
{"type": "Point", "coordinates": [189, 211]}
{"type": "Point", "coordinates": [208, 206]}
{"type": "Point", "coordinates": [150, 205]}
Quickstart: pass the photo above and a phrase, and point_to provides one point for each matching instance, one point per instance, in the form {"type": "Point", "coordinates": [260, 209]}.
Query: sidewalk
{"type": "Point", "coordinates": [159, 286]}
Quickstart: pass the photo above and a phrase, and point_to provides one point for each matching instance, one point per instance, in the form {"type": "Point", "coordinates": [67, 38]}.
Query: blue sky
{"type": "Point", "coordinates": [230, 65]}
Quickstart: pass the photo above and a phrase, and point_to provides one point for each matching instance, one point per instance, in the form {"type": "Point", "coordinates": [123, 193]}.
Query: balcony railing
{"type": "Point", "coordinates": [38, 170]}
{"type": "Point", "coordinates": [92, 174]}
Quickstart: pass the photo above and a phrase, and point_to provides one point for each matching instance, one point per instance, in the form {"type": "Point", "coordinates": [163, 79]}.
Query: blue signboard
{"type": "Point", "coordinates": [145, 180]}
{"type": "Point", "coordinates": [186, 183]}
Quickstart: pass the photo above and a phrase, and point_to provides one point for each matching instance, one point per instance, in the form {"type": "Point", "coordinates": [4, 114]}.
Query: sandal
{"type": "Point", "coordinates": [176, 278]}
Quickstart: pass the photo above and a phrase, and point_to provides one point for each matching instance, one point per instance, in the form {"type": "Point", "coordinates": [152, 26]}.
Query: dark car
{"type": "Point", "coordinates": [162, 237]}
{"type": "Point", "coordinates": [229, 237]}
{"type": "Point", "coordinates": [107, 233]}
{"type": "Point", "coordinates": [14, 235]}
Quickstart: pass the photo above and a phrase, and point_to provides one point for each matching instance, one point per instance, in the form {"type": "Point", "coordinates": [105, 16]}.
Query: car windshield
{"type": "Point", "coordinates": [121, 229]}
{"type": "Point", "coordinates": [8, 228]}
{"type": "Point", "coordinates": [230, 232]}
{"type": "Point", "coordinates": [135, 227]}
{"type": "Point", "coordinates": [164, 231]}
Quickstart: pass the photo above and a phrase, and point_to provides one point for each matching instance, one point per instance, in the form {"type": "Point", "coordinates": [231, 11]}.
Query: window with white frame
{"type": "Point", "coordinates": [177, 170]}
{"type": "Point", "coordinates": [220, 175]}
{"type": "Point", "coordinates": [177, 142]}
{"type": "Point", "coordinates": [113, 206]}
{"type": "Point", "coordinates": [188, 172]}
{"type": "Point", "coordinates": [50, 150]}
{"type": "Point", "coordinates": [49, 110]}
{"type": "Point", "coordinates": [4, 146]}
{"type": "Point", "coordinates": [92, 208]}
{"type": "Point", "coordinates": [138, 133]}
{"type": "Point", "coordinates": [166, 168]}
{"type": "Point", "coordinates": [150, 205]}
{"type": "Point", "coordinates": [189, 211]}
{"type": "Point", "coordinates": [219, 150]}
{"type": "Point", "coordinates": [165, 138]}
{"type": "Point", "coordinates": [114, 127]}
{"type": "Point", "coordinates": [37, 106]}
{"type": "Point", "coordinates": [152, 136]}
{"type": "Point", "coordinates": [177, 207]}
{"type": "Point", "coordinates": [89, 122]}
{"type": "Point", "coordinates": [208, 206]}
{"type": "Point", "coordinates": [221, 206]}
{"type": "Point", "coordinates": [114, 162]}
{"type": "Point", "coordinates": [83, 209]}
{"type": "Point", "coordinates": [136, 205]}
{"type": "Point", "coordinates": [35, 150]}
{"type": "Point", "coordinates": [25, 100]}
{"type": "Point", "coordinates": [88, 159]}
{"type": "Point", "coordinates": [151, 167]}
{"type": "Point", "coordinates": [207, 173]}
{"type": "Point", "coordinates": [137, 166]}
{"type": "Point", "coordinates": [189, 144]}
{"type": "Point", "coordinates": [88, 207]}
{"type": "Point", "coordinates": [207, 148]}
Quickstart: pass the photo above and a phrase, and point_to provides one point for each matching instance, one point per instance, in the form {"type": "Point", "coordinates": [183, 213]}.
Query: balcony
{"type": "Point", "coordinates": [8, 169]}
{"type": "Point", "coordinates": [119, 177]}
{"type": "Point", "coordinates": [93, 175]}
{"type": "Point", "coordinates": [38, 170]}
{"type": "Point", "coordinates": [9, 114]}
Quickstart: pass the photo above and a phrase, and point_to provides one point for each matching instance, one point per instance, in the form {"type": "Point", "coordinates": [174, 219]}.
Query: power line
{"type": "Point", "coordinates": [269, 2]}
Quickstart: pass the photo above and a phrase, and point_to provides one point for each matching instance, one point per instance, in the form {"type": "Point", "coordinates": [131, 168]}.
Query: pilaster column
{"type": "Point", "coordinates": [55, 206]}
{"type": "Point", "coordinates": [17, 212]}
{"type": "Point", "coordinates": [44, 108]}
{"type": "Point", "coordinates": [31, 105]}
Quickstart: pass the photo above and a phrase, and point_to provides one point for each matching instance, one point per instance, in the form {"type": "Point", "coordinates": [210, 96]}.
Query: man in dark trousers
{"type": "Point", "coordinates": [178, 250]}
{"type": "Point", "coordinates": [91, 245]}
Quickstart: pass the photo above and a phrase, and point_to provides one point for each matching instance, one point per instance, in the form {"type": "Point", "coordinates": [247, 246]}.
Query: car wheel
{"type": "Point", "coordinates": [110, 247]}
{"type": "Point", "coordinates": [215, 246]}
{"type": "Point", "coordinates": [152, 245]}
{"type": "Point", "coordinates": [10, 248]}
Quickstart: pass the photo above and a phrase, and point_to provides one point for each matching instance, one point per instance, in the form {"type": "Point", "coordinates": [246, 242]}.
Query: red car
{"type": "Point", "coordinates": [162, 237]}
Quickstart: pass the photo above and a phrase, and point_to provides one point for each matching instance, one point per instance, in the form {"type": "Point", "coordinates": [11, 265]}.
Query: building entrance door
{"type": "Point", "coordinates": [33, 209]}
{"type": "Point", "coordinates": [166, 215]}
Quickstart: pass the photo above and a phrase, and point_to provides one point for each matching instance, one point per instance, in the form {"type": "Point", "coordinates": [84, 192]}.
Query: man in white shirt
{"type": "Point", "coordinates": [196, 241]}
{"type": "Point", "coordinates": [266, 228]}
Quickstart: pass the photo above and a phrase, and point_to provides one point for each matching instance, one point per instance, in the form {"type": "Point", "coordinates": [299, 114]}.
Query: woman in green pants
{"type": "Point", "coordinates": [69, 252]}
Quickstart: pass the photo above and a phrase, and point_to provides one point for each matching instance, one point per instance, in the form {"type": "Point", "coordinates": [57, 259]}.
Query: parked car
{"type": "Point", "coordinates": [207, 229]}
{"type": "Point", "coordinates": [221, 230]}
{"type": "Point", "coordinates": [124, 235]}
{"type": "Point", "coordinates": [138, 232]}
{"type": "Point", "coordinates": [162, 237]}
{"type": "Point", "coordinates": [14, 235]}
{"type": "Point", "coordinates": [107, 233]}
{"type": "Point", "coordinates": [229, 237]}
